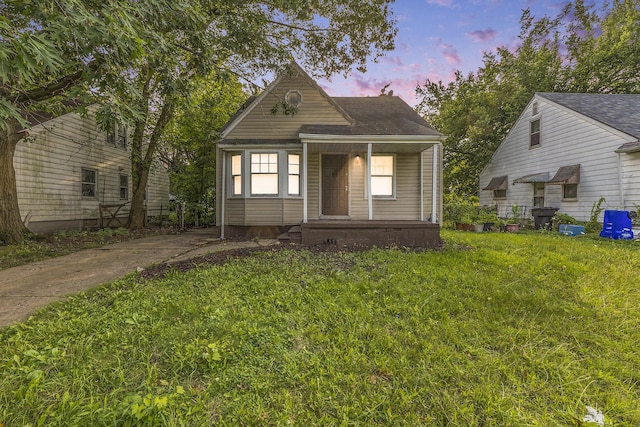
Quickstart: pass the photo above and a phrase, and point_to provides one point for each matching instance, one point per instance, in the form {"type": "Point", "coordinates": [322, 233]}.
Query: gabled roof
{"type": "Point", "coordinates": [619, 111]}
{"type": "Point", "coordinates": [380, 115]}
{"type": "Point", "coordinates": [250, 104]}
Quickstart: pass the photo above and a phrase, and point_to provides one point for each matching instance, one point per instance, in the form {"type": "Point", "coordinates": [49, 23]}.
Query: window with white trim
{"type": "Point", "coordinates": [382, 175]}
{"type": "Point", "coordinates": [538, 194]}
{"type": "Point", "coordinates": [534, 133]}
{"type": "Point", "coordinates": [124, 187]}
{"type": "Point", "coordinates": [264, 174]}
{"type": "Point", "coordinates": [293, 166]}
{"type": "Point", "coordinates": [570, 191]}
{"type": "Point", "coordinates": [236, 174]}
{"type": "Point", "coordinates": [89, 183]}
{"type": "Point", "coordinates": [117, 137]}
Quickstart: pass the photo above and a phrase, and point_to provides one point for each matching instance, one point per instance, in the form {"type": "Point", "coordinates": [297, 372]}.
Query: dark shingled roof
{"type": "Point", "coordinates": [620, 111]}
{"type": "Point", "coordinates": [381, 115]}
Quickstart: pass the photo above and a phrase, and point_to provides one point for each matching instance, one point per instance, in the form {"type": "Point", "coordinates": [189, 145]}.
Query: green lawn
{"type": "Point", "coordinates": [495, 330]}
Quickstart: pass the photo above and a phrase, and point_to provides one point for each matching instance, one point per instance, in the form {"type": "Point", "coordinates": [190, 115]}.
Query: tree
{"type": "Point", "coordinates": [580, 50]}
{"type": "Point", "coordinates": [135, 57]}
{"type": "Point", "coordinates": [188, 143]}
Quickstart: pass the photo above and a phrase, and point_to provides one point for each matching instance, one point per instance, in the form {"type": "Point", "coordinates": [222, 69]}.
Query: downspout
{"type": "Point", "coordinates": [620, 183]}
{"type": "Point", "coordinates": [305, 207]}
{"type": "Point", "coordinates": [434, 189]}
{"type": "Point", "coordinates": [369, 200]}
{"type": "Point", "coordinates": [422, 186]}
{"type": "Point", "coordinates": [223, 193]}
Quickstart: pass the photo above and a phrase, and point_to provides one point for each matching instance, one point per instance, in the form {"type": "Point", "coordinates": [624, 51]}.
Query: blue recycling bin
{"type": "Point", "coordinates": [616, 225]}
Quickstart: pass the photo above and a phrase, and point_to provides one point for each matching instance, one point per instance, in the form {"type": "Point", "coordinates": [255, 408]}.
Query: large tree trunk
{"type": "Point", "coordinates": [142, 160]}
{"type": "Point", "coordinates": [12, 230]}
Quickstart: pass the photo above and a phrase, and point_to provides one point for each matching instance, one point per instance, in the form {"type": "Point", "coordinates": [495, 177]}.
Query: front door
{"type": "Point", "coordinates": [335, 184]}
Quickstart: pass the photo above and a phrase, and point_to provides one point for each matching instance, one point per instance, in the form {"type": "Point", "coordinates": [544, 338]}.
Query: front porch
{"type": "Point", "coordinates": [365, 233]}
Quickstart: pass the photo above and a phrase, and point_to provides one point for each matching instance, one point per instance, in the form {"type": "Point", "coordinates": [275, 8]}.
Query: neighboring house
{"type": "Point", "coordinates": [69, 174]}
{"type": "Point", "coordinates": [566, 151]}
{"type": "Point", "coordinates": [339, 170]}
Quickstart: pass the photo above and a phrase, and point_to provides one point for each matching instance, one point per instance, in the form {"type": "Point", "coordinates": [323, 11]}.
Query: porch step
{"type": "Point", "coordinates": [293, 235]}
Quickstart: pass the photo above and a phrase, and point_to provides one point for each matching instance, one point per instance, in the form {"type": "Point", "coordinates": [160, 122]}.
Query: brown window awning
{"type": "Point", "coordinates": [566, 175]}
{"type": "Point", "coordinates": [498, 183]}
{"type": "Point", "coordinates": [534, 177]}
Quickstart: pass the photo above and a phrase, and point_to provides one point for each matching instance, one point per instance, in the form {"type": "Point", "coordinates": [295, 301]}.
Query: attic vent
{"type": "Point", "coordinates": [294, 98]}
{"type": "Point", "coordinates": [534, 108]}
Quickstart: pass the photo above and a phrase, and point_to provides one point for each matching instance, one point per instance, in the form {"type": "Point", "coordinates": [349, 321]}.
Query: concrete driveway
{"type": "Point", "coordinates": [27, 288]}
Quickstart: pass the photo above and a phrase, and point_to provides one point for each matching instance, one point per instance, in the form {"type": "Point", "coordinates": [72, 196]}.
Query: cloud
{"type": "Point", "coordinates": [451, 54]}
{"type": "Point", "coordinates": [392, 60]}
{"type": "Point", "coordinates": [441, 2]}
{"type": "Point", "coordinates": [480, 36]}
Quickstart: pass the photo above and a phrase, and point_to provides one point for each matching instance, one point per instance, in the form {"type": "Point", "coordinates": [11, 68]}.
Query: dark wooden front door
{"type": "Point", "coordinates": [335, 182]}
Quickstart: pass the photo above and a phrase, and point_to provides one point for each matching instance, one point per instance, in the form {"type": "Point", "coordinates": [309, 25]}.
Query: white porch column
{"type": "Point", "coordinates": [369, 199]}
{"type": "Point", "coordinates": [305, 207]}
{"type": "Point", "coordinates": [223, 193]}
{"type": "Point", "coordinates": [422, 186]}
{"type": "Point", "coordinates": [434, 189]}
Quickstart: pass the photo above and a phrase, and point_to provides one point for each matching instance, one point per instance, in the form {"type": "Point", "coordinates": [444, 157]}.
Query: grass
{"type": "Point", "coordinates": [40, 247]}
{"type": "Point", "coordinates": [495, 330]}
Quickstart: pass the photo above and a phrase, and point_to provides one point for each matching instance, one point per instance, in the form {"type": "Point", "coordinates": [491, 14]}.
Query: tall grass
{"type": "Point", "coordinates": [495, 330]}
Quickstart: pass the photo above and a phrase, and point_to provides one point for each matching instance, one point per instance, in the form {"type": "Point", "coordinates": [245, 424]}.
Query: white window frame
{"type": "Point", "coordinates": [236, 174]}
{"type": "Point", "coordinates": [124, 188]}
{"type": "Point", "coordinates": [84, 183]}
{"type": "Point", "coordinates": [564, 196]}
{"type": "Point", "coordinates": [392, 176]}
{"type": "Point", "coordinates": [264, 169]}
{"type": "Point", "coordinates": [532, 133]}
{"type": "Point", "coordinates": [118, 137]}
{"type": "Point", "coordinates": [292, 173]}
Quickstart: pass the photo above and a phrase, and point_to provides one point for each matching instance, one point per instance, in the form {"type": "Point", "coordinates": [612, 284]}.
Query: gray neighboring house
{"type": "Point", "coordinates": [340, 170]}
{"type": "Point", "coordinates": [565, 151]}
{"type": "Point", "coordinates": [70, 175]}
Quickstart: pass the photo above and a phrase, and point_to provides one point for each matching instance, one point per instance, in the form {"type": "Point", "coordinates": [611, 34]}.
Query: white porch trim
{"type": "Point", "coordinates": [223, 193]}
{"type": "Point", "coordinates": [305, 198]}
{"type": "Point", "coordinates": [368, 172]}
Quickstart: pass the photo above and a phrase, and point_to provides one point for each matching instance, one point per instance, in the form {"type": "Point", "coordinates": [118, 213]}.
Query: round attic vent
{"type": "Point", "coordinates": [294, 98]}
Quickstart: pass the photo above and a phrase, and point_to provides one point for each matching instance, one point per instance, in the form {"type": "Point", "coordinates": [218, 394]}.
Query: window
{"type": "Point", "coordinates": [570, 191]}
{"type": "Point", "coordinates": [264, 174]}
{"type": "Point", "coordinates": [294, 98]}
{"type": "Point", "coordinates": [89, 183]}
{"type": "Point", "coordinates": [382, 176]}
{"type": "Point", "coordinates": [499, 194]}
{"type": "Point", "coordinates": [294, 174]}
{"type": "Point", "coordinates": [236, 175]}
{"type": "Point", "coordinates": [118, 136]}
{"type": "Point", "coordinates": [538, 194]}
{"type": "Point", "coordinates": [534, 108]}
{"type": "Point", "coordinates": [124, 187]}
{"type": "Point", "coordinates": [534, 134]}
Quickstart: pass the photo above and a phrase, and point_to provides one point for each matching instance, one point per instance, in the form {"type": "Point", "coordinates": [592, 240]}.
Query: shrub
{"type": "Point", "coordinates": [594, 225]}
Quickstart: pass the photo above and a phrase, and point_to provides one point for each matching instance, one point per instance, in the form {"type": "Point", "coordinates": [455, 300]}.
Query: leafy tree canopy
{"type": "Point", "coordinates": [580, 50]}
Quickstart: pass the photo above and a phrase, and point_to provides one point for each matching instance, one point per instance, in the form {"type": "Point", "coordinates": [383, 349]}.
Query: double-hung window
{"type": "Point", "coordinates": [117, 136]}
{"type": "Point", "coordinates": [293, 161]}
{"type": "Point", "coordinates": [89, 183]}
{"type": "Point", "coordinates": [236, 174]}
{"type": "Point", "coordinates": [264, 174]}
{"type": "Point", "coordinates": [124, 187]}
{"type": "Point", "coordinates": [534, 133]}
{"type": "Point", "coordinates": [382, 184]}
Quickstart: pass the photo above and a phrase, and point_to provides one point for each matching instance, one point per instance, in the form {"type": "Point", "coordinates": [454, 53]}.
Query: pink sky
{"type": "Point", "coordinates": [436, 38]}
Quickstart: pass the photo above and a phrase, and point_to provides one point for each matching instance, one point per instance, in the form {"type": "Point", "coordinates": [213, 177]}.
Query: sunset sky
{"type": "Point", "coordinates": [436, 38]}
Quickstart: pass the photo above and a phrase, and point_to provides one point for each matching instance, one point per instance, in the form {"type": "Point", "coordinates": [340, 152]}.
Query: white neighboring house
{"type": "Point", "coordinates": [67, 169]}
{"type": "Point", "coordinates": [565, 151]}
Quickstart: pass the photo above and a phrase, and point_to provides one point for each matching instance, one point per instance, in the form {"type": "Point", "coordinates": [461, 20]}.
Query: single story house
{"type": "Point", "coordinates": [70, 175]}
{"type": "Point", "coordinates": [337, 170]}
{"type": "Point", "coordinates": [566, 151]}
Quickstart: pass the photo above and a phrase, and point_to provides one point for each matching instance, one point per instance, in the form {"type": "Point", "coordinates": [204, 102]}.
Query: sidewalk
{"type": "Point", "coordinates": [27, 288]}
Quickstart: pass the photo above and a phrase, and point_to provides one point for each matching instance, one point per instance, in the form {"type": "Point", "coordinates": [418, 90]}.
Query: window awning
{"type": "Point", "coordinates": [498, 183]}
{"type": "Point", "coordinates": [566, 175]}
{"type": "Point", "coordinates": [534, 177]}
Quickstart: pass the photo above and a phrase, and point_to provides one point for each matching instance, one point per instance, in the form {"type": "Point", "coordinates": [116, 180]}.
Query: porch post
{"type": "Point", "coordinates": [223, 192]}
{"type": "Point", "coordinates": [369, 200]}
{"type": "Point", "coordinates": [422, 186]}
{"type": "Point", "coordinates": [305, 207]}
{"type": "Point", "coordinates": [434, 189]}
